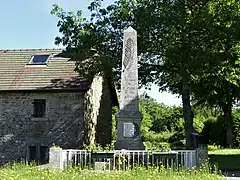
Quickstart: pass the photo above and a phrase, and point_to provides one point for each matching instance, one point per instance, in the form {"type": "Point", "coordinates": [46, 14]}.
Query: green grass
{"type": "Point", "coordinates": [225, 159]}
{"type": "Point", "coordinates": [225, 152]}
{"type": "Point", "coordinates": [22, 172]}
{"type": "Point", "coordinates": [225, 162]}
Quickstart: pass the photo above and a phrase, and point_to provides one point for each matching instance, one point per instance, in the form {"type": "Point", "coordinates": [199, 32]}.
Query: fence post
{"type": "Point", "coordinates": [55, 158]}
{"type": "Point", "coordinates": [202, 154]}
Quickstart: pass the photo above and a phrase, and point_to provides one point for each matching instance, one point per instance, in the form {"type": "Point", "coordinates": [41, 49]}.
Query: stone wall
{"type": "Point", "coordinates": [104, 123]}
{"type": "Point", "coordinates": [98, 113]}
{"type": "Point", "coordinates": [63, 124]}
{"type": "Point", "coordinates": [202, 154]}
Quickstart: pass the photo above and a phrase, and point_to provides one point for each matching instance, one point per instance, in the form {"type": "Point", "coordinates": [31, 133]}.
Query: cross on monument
{"type": "Point", "coordinates": [129, 118]}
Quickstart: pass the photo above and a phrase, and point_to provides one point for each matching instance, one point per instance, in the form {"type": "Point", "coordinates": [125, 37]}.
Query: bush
{"type": "Point", "coordinates": [157, 146]}
{"type": "Point", "coordinates": [213, 147]}
{"type": "Point", "coordinates": [214, 131]}
{"type": "Point", "coordinates": [178, 134]}
{"type": "Point", "coordinates": [166, 118]}
{"type": "Point", "coordinates": [157, 137]}
{"type": "Point", "coordinates": [236, 127]}
{"type": "Point", "coordinates": [198, 123]}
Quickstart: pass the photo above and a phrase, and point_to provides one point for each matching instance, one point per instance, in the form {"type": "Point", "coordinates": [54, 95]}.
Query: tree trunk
{"type": "Point", "coordinates": [187, 111]}
{"type": "Point", "coordinates": [227, 114]}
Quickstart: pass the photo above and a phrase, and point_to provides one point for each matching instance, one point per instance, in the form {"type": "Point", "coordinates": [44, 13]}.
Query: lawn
{"type": "Point", "coordinates": [22, 172]}
{"type": "Point", "coordinates": [225, 152]}
{"type": "Point", "coordinates": [225, 159]}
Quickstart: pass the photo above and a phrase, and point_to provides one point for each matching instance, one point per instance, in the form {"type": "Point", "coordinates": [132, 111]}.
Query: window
{"type": "Point", "coordinates": [32, 153]}
{"type": "Point", "coordinates": [39, 59]}
{"type": "Point", "coordinates": [44, 154]}
{"type": "Point", "coordinates": [38, 154]}
{"type": "Point", "coordinates": [39, 107]}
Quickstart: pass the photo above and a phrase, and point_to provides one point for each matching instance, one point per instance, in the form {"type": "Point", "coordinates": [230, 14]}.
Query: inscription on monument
{"type": "Point", "coordinates": [128, 53]}
{"type": "Point", "coordinates": [128, 129]}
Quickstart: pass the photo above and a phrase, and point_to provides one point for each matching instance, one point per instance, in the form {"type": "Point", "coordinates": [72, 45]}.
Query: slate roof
{"type": "Point", "coordinates": [59, 72]}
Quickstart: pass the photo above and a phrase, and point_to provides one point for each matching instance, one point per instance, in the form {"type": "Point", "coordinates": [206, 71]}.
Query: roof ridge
{"type": "Point", "coordinates": [33, 49]}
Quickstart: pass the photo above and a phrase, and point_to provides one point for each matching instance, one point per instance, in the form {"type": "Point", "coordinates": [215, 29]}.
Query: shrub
{"type": "Point", "coordinates": [157, 137]}
{"type": "Point", "coordinates": [198, 123]}
{"type": "Point", "coordinates": [178, 132]}
{"type": "Point", "coordinates": [157, 146]}
{"type": "Point", "coordinates": [236, 127]}
{"type": "Point", "coordinates": [214, 131]}
{"type": "Point", "coordinates": [213, 147]}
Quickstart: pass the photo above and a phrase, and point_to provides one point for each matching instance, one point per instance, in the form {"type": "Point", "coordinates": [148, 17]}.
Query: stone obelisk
{"type": "Point", "coordinates": [129, 118]}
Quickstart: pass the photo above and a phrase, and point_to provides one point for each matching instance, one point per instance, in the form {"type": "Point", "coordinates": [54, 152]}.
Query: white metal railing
{"type": "Point", "coordinates": [187, 158]}
{"type": "Point", "coordinates": [127, 159]}
{"type": "Point", "coordinates": [72, 157]}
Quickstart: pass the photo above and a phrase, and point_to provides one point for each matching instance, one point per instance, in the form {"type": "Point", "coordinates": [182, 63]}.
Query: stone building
{"type": "Point", "coordinates": [43, 102]}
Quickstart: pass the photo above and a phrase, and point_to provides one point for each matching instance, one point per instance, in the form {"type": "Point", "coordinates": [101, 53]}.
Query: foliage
{"type": "Point", "coordinates": [215, 129]}
{"type": "Point", "coordinates": [186, 47]}
{"type": "Point", "coordinates": [198, 123]}
{"type": "Point", "coordinates": [176, 33]}
{"type": "Point", "coordinates": [160, 123]}
{"type": "Point", "coordinates": [236, 127]}
{"type": "Point", "coordinates": [19, 171]}
{"type": "Point", "coordinates": [146, 122]}
{"type": "Point", "coordinates": [178, 133]}
{"type": "Point", "coordinates": [219, 151]}
{"type": "Point", "coordinates": [157, 146]}
{"type": "Point", "coordinates": [158, 118]}
{"type": "Point", "coordinates": [213, 148]}
{"type": "Point", "coordinates": [208, 122]}
{"type": "Point", "coordinates": [55, 146]}
{"type": "Point", "coordinates": [94, 44]}
{"type": "Point", "coordinates": [114, 123]}
{"type": "Point", "coordinates": [157, 137]}
{"type": "Point", "coordinates": [98, 147]}
{"type": "Point", "coordinates": [219, 84]}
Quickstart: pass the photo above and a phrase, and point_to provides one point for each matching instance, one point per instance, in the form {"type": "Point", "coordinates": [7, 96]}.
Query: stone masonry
{"type": "Point", "coordinates": [63, 124]}
{"type": "Point", "coordinates": [129, 117]}
{"type": "Point", "coordinates": [97, 113]}
{"type": "Point", "coordinates": [71, 110]}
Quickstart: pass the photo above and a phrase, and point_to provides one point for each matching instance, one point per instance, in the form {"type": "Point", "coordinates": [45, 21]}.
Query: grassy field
{"type": "Point", "coordinates": [225, 152]}
{"type": "Point", "coordinates": [22, 172]}
{"type": "Point", "coordinates": [225, 159]}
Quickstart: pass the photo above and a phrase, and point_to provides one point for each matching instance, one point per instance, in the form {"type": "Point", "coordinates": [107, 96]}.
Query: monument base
{"type": "Point", "coordinates": [128, 132]}
{"type": "Point", "coordinates": [134, 144]}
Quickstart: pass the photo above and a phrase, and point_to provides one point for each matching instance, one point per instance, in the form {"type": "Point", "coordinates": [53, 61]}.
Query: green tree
{"type": "Point", "coordinates": [199, 45]}
{"type": "Point", "coordinates": [160, 122]}
{"type": "Point", "coordinates": [219, 85]}
{"type": "Point", "coordinates": [174, 36]}
{"type": "Point", "coordinates": [179, 43]}
{"type": "Point", "coordinates": [99, 41]}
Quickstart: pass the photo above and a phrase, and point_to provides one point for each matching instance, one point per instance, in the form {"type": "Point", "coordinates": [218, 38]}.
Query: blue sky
{"type": "Point", "coordinates": [29, 24]}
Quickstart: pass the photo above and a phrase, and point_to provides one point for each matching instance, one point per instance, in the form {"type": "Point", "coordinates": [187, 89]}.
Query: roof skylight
{"type": "Point", "coordinates": [39, 59]}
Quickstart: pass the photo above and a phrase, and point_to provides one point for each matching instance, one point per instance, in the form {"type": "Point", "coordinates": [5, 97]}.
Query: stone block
{"type": "Point", "coordinates": [55, 158]}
